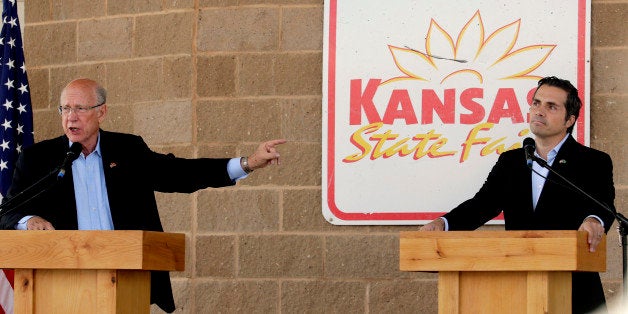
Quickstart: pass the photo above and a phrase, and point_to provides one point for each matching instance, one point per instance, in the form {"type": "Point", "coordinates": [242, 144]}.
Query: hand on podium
{"type": "Point", "coordinates": [435, 225]}
{"type": "Point", "coordinates": [595, 230]}
{"type": "Point", "coordinates": [38, 223]}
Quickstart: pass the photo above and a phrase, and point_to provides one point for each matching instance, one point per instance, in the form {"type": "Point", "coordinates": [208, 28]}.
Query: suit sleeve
{"type": "Point", "coordinates": [22, 179]}
{"type": "Point", "coordinates": [172, 174]}
{"type": "Point", "coordinates": [484, 205]}
{"type": "Point", "coordinates": [43, 195]}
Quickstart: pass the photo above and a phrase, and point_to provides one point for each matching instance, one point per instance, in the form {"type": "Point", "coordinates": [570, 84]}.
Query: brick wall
{"type": "Point", "coordinates": [212, 78]}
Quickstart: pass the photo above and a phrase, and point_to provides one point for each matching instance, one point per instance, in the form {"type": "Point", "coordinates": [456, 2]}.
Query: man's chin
{"type": "Point", "coordinates": [538, 128]}
{"type": "Point", "coordinates": [74, 138]}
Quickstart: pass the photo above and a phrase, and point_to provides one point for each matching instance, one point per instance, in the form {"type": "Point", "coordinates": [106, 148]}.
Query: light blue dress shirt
{"type": "Point", "coordinates": [90, 191]}
{"type": "Point", "coordinates": [539, 173]}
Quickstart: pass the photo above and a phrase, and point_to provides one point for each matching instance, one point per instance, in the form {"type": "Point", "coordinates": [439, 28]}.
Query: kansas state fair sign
{"type": "Point", "coordinates": [421, 96]}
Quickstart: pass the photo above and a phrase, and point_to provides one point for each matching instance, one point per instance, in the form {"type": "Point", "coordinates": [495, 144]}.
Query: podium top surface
{"type": "Point", "coordinates": [566, 250]}
{"type": "Point", "coordinates": [78, 249]}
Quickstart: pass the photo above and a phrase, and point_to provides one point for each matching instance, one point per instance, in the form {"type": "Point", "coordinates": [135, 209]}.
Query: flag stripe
{"type": "Point", "coordinates": [9, 274]}
{"type": "Point", "coordinates": [6, 291]}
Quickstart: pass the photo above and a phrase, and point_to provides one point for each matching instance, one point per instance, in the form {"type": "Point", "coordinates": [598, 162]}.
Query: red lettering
{"type": "Point", "coordinates": [530, 99]}
{"type": "Point", "coordinates": [400, 97]}
{"type": "Point", "coordinates": [467, 101]}
{"type": "Point", "coordinates": [363, 100]}
{"type": "Point", "coordinates": [435, 105]}
{"type": "Point", "coordinates": [431, 103]}
{"type": "Point", "coordinates": [505, 106]}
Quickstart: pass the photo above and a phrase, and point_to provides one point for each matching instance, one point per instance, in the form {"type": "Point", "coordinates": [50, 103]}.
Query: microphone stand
{"type": "Point", "coordinates": [25, 196]}
{"type": "Point", "coordinates": [621, 221]}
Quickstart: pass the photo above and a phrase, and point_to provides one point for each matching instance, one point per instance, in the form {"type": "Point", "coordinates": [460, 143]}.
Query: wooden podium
{"type": "Point", "coordinates": [87, 271]}
{"type": "Point", "coordinates": [501, 271]}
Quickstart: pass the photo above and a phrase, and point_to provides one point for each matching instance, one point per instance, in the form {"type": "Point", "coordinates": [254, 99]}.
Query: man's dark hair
{"type": "Point", "coordinates": [573, 103]}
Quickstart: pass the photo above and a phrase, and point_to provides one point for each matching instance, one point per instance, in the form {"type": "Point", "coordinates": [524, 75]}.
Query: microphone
{"type": "Point", "coordinates": [70, 156]}
{"type": "Point", "coordinates": [529, 146]}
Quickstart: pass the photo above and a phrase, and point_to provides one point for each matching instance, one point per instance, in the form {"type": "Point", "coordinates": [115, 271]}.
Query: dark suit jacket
{"type": "Point", "coordinates": [508, 189]}
{"type": "Point", "coordinates": [132, 174]}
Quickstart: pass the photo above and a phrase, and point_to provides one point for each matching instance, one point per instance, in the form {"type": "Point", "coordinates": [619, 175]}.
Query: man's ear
{"type": "Point", "coordinates": [571, 121]}
{"type": "Point", "coordinates": [102, 112]}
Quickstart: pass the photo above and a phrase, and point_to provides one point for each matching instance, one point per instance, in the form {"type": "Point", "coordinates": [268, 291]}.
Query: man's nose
{"type": "Point", "coordinates": [72, 115]}
{"type": "Point", "coordinates": [539, 111]}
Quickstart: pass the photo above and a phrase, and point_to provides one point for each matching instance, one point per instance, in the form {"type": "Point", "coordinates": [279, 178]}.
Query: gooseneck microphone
{"type": "Point", "coordinates": [529, 146]}
{"type": "Point", "coordinates": [70, 156]}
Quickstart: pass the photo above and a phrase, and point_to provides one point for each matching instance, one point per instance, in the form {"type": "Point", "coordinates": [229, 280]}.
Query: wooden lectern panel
{"type": "Point", "coordinates": [504, 292]}
{"type": "Point", "coordinates": [499, 251]}
{"type": "Point", "coordinates": [501, 271]}
{"type": "Point", "coordinates": [72, 249]}
{"type": "Point", "coordinates": [81, 291]}
{"type": "Point", "coordinates": [70, 271]}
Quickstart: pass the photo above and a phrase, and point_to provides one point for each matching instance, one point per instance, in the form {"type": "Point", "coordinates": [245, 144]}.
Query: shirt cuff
{"type": "Point", "coordinates": [446, 223]}
{"type": "Point", "coordinates": [21, 224]}
{"type": "Point", "coordinates": [598, 218]}
{"type": "Point", "coordinates": [235, 169]}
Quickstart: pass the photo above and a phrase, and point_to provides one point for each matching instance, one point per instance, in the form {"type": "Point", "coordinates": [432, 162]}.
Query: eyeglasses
{"type": "Point", "coordinates": [79, 110]}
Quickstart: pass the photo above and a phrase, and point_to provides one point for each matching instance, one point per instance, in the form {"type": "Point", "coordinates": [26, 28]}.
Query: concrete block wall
{"type": "Point", "coordinates": [609, 116]}
{"type": "Point", "coordinates": [212, 78]}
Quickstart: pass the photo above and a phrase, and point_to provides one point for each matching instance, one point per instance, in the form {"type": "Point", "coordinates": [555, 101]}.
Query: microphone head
{"type": "Point", "coordinates": [70, 156]}
{"type": "Point", "coordinates": [75, 150]}
{"type": "Point", "coordinates": [529, 146]}
{"type": "Point", "coordinates": [529, 142]}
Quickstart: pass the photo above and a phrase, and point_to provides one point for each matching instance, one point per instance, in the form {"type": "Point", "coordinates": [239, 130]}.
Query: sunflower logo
{"type": "Point", "coordinates": [471, 56]}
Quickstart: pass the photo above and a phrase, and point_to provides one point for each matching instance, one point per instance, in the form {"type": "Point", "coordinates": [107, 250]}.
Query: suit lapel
{"type": "Point", "coordinates": [527, 181]}
{"type": "Point", "coordinates": [110, 163]}
{"type": "Point", "coordinates": [109, 155]}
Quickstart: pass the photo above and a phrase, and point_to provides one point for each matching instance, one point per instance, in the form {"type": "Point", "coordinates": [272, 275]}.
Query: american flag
{"type": "Point", "coordinates": [16, 118]}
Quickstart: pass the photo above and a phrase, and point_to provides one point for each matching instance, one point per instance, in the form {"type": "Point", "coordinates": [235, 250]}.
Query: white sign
{"type": "Point", "coordinates": [420, 97]}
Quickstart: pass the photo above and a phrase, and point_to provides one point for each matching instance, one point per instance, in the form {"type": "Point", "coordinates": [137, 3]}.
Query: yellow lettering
{"type": "Point", "coordinates": [434, 153]}
{"type": "Point", "coordinates": [388, 144]}
{"type": "Point", "coordinates": [472, 139]}
{"type": "Point", "coordinates": [381, 140]}
{"type": "Point", "coordinates": [360, 143]}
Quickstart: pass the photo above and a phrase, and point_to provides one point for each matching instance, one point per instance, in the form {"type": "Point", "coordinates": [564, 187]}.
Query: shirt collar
{"type": "Point", "coordinates": [552, 153]}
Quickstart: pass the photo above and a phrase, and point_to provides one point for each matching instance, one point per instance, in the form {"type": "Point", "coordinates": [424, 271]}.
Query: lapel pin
{"type": "Point", "coordinates": [112, 165]}
{"type": "Point", "coordinates": [562, 161]}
